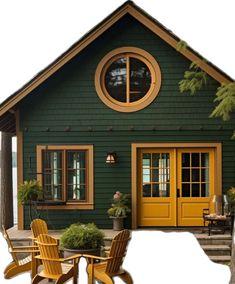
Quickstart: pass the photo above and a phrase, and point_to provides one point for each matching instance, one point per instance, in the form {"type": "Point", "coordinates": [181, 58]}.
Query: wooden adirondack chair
{"type": "Point", "coordinates": [38, 226]}
{"type": "Point", "coordinates": [18, 265]}
{"type": "Point", "coordinates": [54, 267]}
{"type": "Point", "coordinates": [110, 266]}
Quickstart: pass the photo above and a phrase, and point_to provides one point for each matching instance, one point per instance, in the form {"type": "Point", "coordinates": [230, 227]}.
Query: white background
{"type": "Point", "coordinates": [155, 258]}
{"type": "Point", "coordinates": [35, 32]}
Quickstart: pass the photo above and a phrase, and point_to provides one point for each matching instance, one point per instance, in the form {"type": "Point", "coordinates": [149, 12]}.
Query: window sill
{"type": "Point", "coordinates": [65, 206]}
{"type": "Point", "coordinates": [50, 203]}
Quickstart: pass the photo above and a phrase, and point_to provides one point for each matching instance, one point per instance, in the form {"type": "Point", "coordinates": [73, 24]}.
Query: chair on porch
{"type": "Point", "coordinates": [19, 265]}
{"type": "Point", "coordinates": [111, 265]}
{"type": "Point", "coordinates": [38, 226]}
{"type": "Point", "coordinates": [53, 267]}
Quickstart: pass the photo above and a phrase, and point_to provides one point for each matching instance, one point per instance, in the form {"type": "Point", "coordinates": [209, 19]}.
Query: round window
{"type": "Point", "coordinates": [128, 79]}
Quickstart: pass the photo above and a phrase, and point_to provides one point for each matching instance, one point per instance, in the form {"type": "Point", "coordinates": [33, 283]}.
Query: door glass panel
{"type": "Point", "coordinates": [156, 174]}
{"type": "Point", "coordinates": [186, 190]}
{"type": "Point", "coordinates": [195, 160]}
{"type": "Point", "coordinates": [195, 172]}
{"type": "Point", "coordinates": [155, 190]}
{"type": "Point", "coordinates": [204, 175]}
{"type": "Point", "coordinates": [196, 190]}
{"type": "Point", "coordinates": [146, 160]}
{"type": "Point", "coordinates": [186, 160]}
{"type": "Point", "coordinates": [203, 190]}
{"type": "Point", "coordinates": [205, 160]}
{"type": "Point", "coordinates": [185, 175]}
{"type": "Point", "coordinates": [155, 160]}
{"type": "Point", "coordinates": [195, 175]}
{"type": "Point", "coordinates": [146, 190]}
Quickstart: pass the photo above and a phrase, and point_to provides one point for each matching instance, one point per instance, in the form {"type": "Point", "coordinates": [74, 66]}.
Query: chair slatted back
{"type": "Point", "coordinates": [49, 251]}
{"type": "Point", "coordinates": [10, 246]}
{"type": "Point", "coordinates": [118, 251]}
{"type": "Point", "coordinates": [38, 226]}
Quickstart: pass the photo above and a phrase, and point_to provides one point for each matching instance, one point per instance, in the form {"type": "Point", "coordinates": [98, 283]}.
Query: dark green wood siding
{"type": "Point", "coordinates": [69, 99]}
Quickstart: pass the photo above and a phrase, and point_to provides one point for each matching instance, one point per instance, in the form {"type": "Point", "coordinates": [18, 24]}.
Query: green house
{"type": "Point", "coordinates": [107, 116]}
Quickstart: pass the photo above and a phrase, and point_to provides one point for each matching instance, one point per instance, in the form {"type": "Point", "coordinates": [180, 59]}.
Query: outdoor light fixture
{"type": "Point", "coordinates": [111, 158]}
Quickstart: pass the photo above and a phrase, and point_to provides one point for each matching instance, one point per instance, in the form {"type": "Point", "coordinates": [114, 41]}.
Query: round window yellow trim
{"type": "Point", "coordinates": [143, 56]}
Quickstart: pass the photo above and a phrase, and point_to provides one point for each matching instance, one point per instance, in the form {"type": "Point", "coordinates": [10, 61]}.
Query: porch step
{"type": "Point", "coordinates": [204, 239]}
{"type": "Point", "coordinates": [216, 250]}
{"type": "Point", "coordinates": [222, 259]}
{"type": "Point", "coordinates": [217, 247]}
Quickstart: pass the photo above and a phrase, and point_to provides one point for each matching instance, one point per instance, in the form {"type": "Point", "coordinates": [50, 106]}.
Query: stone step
{"type": "Point", "coordinates": [222, 259]}
{"type": "Point", "coordinates": [211, 250]}
{"type": "Point", "coordinates": [214, 239]}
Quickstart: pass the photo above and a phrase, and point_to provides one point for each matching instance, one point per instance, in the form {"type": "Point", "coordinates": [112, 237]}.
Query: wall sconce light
{"type": "Point", "coordinates": [111, 158]}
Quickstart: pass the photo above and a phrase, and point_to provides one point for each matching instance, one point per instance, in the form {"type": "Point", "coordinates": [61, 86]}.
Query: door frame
{"type": "Point", "coordinates": [135, 147]}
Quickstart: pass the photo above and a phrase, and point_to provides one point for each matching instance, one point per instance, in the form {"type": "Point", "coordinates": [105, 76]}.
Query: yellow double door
{"type": "Point", "coordinates": [174, 185]}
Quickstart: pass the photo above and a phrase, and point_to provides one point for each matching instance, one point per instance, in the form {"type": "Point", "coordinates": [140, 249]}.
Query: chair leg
{"type": "Point", "coordinates": [75, 274]}
{"type": "Point", "coordinates": [61, 280]}
{"type": "Point", "coordinates": [37, 279]}
{"type": "Point", "coordinates": [126, 277]}
{"type": "Point", "coordinates": [12, 269]}
{"type": "Point", "coordinates": [106, 279]}
{"type": "Point", "coordinates": [65, 277]}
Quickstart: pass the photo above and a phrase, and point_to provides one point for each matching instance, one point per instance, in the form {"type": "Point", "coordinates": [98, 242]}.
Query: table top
{"type": "Point", "coordinates": [216, 217]}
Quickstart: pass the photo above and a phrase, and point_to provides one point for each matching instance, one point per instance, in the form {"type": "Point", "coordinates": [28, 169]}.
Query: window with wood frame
{"type": "Point", "coordinates": [66, 174]}
{"type": "Point", "coordinates": [128, 79]}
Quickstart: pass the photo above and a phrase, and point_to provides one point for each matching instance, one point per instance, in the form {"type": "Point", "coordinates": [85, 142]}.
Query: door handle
{"type": "Point", "coordinates": [178, 192]}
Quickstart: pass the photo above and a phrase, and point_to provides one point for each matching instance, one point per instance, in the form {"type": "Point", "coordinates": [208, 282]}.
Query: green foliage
{"type": "Point", "coordinates": [82, 236]}
{"type": "Point", "coordinates": [119, 205]}
{"type": "Point", "coordinates": [225, 96]}
{"type": "Point", "coordinates": [181, 45]}
{"type": "Point", "coordinates": [28, 191]}
{"type": "Point", "coordinates": [194, 79]}
{"type": "Point", "coordinates": [231, 197]}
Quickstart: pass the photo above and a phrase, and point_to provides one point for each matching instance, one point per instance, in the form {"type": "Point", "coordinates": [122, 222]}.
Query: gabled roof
{"type": "Point", "coordinates": [7, 118]}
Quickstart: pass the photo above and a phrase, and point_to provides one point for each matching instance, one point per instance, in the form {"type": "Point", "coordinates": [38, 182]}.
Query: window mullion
{"type": "Point", "coordinates": [128, 79]}
{"type": "Point", "coordinates": [64, 176]}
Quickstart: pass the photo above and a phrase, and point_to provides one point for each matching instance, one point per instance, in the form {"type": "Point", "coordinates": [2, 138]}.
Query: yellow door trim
{"type": "Point", "coordinates": [134, 150]}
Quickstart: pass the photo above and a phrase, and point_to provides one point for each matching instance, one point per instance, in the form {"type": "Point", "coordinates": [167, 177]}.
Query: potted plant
{"type": "Point", "coordinates": [29, 192]}
{"type": "Point", "coordinates": [119, 210]}
{"type": "Point", "coordinates": [82, 238]}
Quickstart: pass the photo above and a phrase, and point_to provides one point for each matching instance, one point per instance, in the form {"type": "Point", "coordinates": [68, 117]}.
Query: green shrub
{"type": "Point", "coordinates": [82, 236]}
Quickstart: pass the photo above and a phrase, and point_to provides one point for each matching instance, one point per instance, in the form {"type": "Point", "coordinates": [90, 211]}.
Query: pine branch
{"type": "Point", "coordinates": [193, 80]}
{"type": "Point", "coordinates": [233, 137]}
{"type": "Point", "coordinates": [181, 45]}
{"type": "Point", "coordinates": [225, 96]}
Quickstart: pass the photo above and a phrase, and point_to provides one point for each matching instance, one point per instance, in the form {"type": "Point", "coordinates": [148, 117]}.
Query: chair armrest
{"type": "Point", "coordinates": [72, 257]}
{"type": "Point", "coordinates": [89, 256]}
{"type": "Point", "coordinates": [23, 250]}
{"type": "Point", "coordinates": [59, 259]}
{"type": "Point", "coordinates": [25, 247]}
